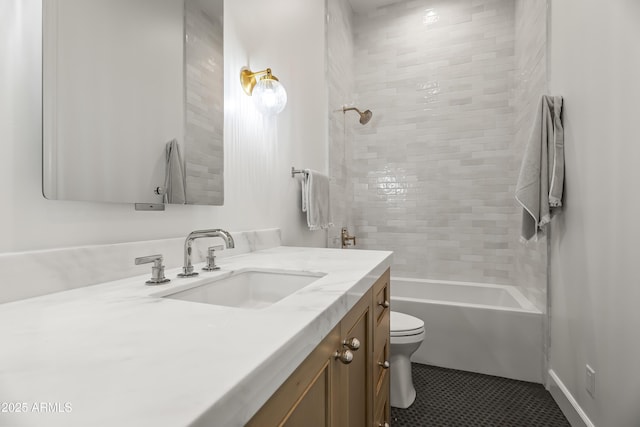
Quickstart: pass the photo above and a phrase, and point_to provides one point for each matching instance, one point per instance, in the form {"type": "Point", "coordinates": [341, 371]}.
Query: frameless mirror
{"type": "Point", "coordinates": [133, 101]}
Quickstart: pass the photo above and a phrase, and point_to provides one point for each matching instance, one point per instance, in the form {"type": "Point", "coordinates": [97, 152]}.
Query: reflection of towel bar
{"type": "Point", "coordinates": [295, 171]}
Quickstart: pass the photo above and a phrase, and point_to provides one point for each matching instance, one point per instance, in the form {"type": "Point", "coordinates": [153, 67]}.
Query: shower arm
{"type": "Point", "coordinates": [364, 116]}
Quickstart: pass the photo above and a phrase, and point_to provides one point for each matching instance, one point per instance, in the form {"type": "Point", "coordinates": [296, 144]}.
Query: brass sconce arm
{"type": "Point", "coordinates": [269, 95]}
{"type": "Point", "coordinates": [248, 78]}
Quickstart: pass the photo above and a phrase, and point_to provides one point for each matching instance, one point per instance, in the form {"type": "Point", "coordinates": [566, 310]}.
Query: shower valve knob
{"type": "Point", "coordinates": [352, 343]}
{"type": "Point", "coordinates": [346, 238]}
{"type": "Point", "coordinates": [345, 356]}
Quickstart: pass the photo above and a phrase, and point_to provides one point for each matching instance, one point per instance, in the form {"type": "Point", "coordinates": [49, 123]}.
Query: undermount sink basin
{"type": "Point", "coordinates": [253, 289]}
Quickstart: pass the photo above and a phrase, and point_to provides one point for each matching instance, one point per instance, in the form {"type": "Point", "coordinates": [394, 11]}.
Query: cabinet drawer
{"type": "Point", "coordinates": [381, 298]}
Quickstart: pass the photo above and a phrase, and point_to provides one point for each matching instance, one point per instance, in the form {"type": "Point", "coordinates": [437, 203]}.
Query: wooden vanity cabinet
{"type": "Point", "coordinates": [325, 390]}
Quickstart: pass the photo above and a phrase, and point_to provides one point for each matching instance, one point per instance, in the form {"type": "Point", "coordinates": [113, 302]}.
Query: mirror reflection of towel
{"type": "Point", "coordinates": [540, 183]}
{"type": "Point", "coordinates": [174, 188]}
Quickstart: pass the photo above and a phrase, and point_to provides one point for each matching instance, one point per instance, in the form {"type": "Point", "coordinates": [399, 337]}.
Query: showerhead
{"type": "Point", "coordinates": [364, 116]}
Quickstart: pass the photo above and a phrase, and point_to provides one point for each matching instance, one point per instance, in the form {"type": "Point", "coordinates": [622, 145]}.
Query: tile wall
{"type": "Point", "coordinates": [432, 172]}
{"type": "Point", "coordinates": [453, 86]}
{"type": "Point", "coordinates": [341, 84]}
{"type": "Point", "coordinates": [204, 103]}
{"type": "Point", "coordinates": [530, 85]}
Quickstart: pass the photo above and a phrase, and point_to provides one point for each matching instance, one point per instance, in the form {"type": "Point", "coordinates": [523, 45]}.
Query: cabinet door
{"type": "Point", "coordinates": [307, 398]}
{"type": "Point", "coordinates": [356, 401]}
{"type": "Point", "coordinates": [313, 409]}
{"type": "Point", "coordinates": [381, 341]}
{"type": "Point", "coordinates": [383, 414]}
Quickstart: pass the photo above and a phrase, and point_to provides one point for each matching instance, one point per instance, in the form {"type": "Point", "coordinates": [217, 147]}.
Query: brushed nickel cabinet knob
{"type": "Point", "coordinates": [352, 343]}
{"type": "Point", "coordinates": [345, 356]}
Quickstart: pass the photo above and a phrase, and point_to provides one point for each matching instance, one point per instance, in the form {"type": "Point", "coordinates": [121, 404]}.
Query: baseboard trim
{"type": "Point", "coordinates": [567, 403]}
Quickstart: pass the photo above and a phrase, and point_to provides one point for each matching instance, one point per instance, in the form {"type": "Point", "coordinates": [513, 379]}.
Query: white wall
{"type": "Point", "coordinates": [595, 285]}
{"type": "Point", "coordinates": [286, 35]}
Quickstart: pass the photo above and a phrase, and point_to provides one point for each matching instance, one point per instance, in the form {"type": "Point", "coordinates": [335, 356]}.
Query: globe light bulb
{"type": "Point", "coordinates": [269, 96]}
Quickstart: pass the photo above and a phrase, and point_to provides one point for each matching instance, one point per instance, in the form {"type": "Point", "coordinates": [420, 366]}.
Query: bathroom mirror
{"type": "Point", "coordinates": [121, 80]}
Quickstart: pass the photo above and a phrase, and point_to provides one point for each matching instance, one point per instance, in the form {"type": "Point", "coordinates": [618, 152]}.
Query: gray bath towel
{"type": "Point", "coordinates": [174, 185]}
{"type": "Point", "coordinates": [540, 184]}
{"type": "Point", "coordinates": [315, 200]}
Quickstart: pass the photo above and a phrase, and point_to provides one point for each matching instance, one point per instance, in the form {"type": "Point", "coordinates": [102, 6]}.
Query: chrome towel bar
{"type": "Point", "coordinates": [295, 171]}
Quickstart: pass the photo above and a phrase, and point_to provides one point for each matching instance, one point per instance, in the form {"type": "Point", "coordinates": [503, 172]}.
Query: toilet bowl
{"type": "Point", "coordinates": [407, 333]}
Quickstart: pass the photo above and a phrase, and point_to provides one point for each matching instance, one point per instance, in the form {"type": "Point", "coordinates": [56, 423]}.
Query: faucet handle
{"type": "Point", "coordinates": [211, 258]}
{"type": "Point", "coordinates": [157, 271]}
{"type": "Point", "coordinates": [149, 258]}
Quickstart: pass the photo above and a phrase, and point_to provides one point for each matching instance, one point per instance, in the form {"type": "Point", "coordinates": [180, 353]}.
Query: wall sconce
{"type": "Point", "coordinates": [268, 94]}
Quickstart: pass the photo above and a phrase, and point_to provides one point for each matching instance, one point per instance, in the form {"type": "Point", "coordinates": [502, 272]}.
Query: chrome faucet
{"type": "Point", "coordinates": [187, 269]}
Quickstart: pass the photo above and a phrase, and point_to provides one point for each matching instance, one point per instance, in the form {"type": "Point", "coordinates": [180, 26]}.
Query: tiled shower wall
{"type": "Point", "coordinates": [340, 78]}
{"type": "Point", "coordinates": [432, 173]}
{"type": "Point", "coordinates": [453, 86]}
{"type": "Point", "coordinates": [530, 85]}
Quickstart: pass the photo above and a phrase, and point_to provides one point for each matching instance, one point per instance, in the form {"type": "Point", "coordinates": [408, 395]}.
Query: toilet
{"type": "Point", "coordinates": [407, 333]}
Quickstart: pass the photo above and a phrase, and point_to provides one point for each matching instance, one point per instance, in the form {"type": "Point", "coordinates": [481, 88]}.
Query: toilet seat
{"type": "Point", "coordinates": [403, 325]}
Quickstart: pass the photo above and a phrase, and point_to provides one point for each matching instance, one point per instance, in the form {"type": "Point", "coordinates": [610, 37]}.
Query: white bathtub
{"type": "Point", "coordinates": [491, 329]}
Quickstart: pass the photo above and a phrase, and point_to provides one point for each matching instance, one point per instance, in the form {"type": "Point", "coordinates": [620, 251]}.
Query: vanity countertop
{"type": "Point", "coordinates": [114, 355]}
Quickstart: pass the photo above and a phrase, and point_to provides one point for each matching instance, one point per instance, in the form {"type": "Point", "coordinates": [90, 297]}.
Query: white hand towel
{"type": "Point", "coordinates": [541, 179]}
{"type": "Point", "coordinates": [174, 181]}
{"type": "Point", "coordinates": [316, 200]}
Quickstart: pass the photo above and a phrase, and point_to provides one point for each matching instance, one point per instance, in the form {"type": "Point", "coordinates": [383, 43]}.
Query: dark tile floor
{"type": "Point", "coordinates": [451, 398]}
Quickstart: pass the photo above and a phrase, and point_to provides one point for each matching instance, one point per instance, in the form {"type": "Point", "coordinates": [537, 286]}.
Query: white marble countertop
{"type": "Point", "coordinates": [114, 355]}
